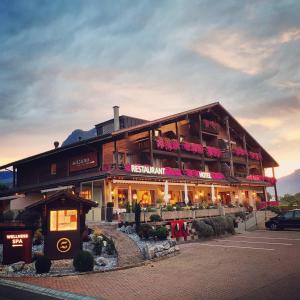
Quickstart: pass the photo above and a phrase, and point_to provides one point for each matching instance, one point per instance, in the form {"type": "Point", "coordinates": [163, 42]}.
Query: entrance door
{"type": "Point", "coordinates": [92, 190]}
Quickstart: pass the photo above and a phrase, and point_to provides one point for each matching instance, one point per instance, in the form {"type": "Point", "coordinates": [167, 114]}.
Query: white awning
{"type": "Point", "coordinates": [59, 188]}
{"type": "Point", "coordinates": [14, 197]}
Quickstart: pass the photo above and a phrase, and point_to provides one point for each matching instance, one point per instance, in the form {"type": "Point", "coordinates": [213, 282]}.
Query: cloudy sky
{"type": "Point", "coordinates": [64, 64]}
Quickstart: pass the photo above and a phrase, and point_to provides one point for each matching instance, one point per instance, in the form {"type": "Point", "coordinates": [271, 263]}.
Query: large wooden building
{"type": "Point", "coordinates": [204, 150]}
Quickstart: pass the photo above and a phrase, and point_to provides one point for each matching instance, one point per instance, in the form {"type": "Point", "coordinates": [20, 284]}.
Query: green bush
{"type": "Point", "coordinates": [203, 229]}
{"type": "Point", "coordinates": [169, 207]}
{"type": "Point", "coordinates": [8, 216]}
{"type": "Point", "coordinates": [155, 218]}
{"type": "Point", "coordinates": [110, 247]}
{"type": "Point", "coordinates": [150, 209]}
{"type": "Point", "coordinates": [230, 224]}
{"type": "Point", "coordinates": [38, 237]}
{"type": "Point", "coordinates": [274, 209]}
{"type": "Point", "coordinates": [145, 231]}
{"type": "Point", "coordinates": [83, 261]}
{"type": "Point", "coordinates": [30, 218]}
{"type": "Point", "coordinates": [161, 233]}
{"type": "Point", "coordinates": [42, 264]}
{"type": "Point", "coordinates": [178, 207]}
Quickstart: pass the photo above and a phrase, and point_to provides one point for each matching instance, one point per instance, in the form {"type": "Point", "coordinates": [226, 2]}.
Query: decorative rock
{"type": "Point", "coordinates": [129, 230]}
{"type": "Point", "coordinates": [166, 245]}
{"type": "Point", "coordinates": [123, 228]}
{"type": "Point", "coordinates": [16, 267]}
{"type": "Point", "coordinates": [101, 261]}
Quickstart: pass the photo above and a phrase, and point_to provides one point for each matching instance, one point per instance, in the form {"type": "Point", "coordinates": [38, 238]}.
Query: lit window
{"type": "Point", "coordinates": [63, 220]}
{"type": "Point", "coordinates": [156, 133]}
{"type": "Point", "coordinates": [53, 169]}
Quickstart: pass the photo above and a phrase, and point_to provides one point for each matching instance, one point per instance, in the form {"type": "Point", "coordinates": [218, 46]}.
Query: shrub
{"type": "Point", "coordinates": [230, 224]}
{"type": "Point", "coordinates": [178, 207]}
{"type": "Point", "coordinates": [8, 216]}
{"type": "Point", "coordinates": [145, 231]}
{"type": "Point", "coordinates": [98, 243]}
{"type": "Point", "coordinates": [85, 235]}
{"type": "Point", "coordinates": [203, 229]}
{"type": "Point", "coordinates": [29, 218]}
{"type": "Point", "coordinates": [42, 264]}
{"type": "Point", "coordinates": [161, 233]}
{"type": "Point", "coordinates": [137, 216]}
{"type": "Point", "coordinates": [83, 261]}
{"type": "Point", "coordinates": [155, 218]}
{"type": "Point", "coordinates": [169, 207]}
{"type": "Point", "coordinates": [219, 225]}
{"type": "Point", "coordinates": [110, 247]}
{"type": "Point", "coordinates": [150, 209]}
{"type": "Point", "coordinates": [274, 209]}
{"type": "Point", "coordinates": [37, 237]}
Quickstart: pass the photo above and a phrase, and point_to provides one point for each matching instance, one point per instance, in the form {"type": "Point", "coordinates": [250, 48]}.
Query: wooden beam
{"type": "Point", "coordinates": [179, 151]}
{"type": "Point", "coordinates": [275, 186]}
{"type": "Point", "coordinates": [151, 147]}
{"type": "Point", "coordinates": [229, 145]}
{"type": "Point", "coordinates": [201, 141]}
{"type": "Point", "coordinates": [247, 159]}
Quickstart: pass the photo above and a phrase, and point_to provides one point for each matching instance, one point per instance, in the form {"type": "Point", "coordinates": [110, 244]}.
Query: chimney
{"type": "Point", "coordinates": [116, 118]}
{"type": "Point", "coordinates": [56, 144]}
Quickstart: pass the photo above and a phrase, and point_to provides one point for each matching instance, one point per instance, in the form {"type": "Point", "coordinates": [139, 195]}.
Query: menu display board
{"type": "Point", "coordinates": [63, 220]}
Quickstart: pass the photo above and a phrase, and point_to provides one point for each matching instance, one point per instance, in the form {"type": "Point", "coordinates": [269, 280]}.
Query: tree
{"type": "Point", "coordinates": [291, 200]}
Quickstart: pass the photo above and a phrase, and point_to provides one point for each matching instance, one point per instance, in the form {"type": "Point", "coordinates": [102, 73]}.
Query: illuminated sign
{"type": "Point", "coordinates": [63, 220]}
{"type": "Point", "coordinates": [17, 246]}
{"type": "Point", "coordinates": [63, 245]}
{"type": "Point", "coordinates": [17, 239]}
{"type": "Point", "coordinates": [167, 171]}
{"type": "Point", "coordinates": [82, 162]}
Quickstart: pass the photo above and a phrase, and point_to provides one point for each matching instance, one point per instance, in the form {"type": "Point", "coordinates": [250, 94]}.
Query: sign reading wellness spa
{"type": "Point", "coordinates": [151, 170]}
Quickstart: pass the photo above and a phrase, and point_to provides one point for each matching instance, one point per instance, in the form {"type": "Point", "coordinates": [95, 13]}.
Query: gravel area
{"type": "Point", "coordinates": [61, 267]}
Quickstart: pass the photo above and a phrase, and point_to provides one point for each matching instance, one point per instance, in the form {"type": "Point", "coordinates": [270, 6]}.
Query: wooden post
{"type": "Point", "coordinates": [275, 186]}
{"type": "Point", "coordinates": [247, 159]}
{"type": "Point", "coordinates": [14, 177]}
{"type": "Point", "coordinates": [201, 141]}
{"type": "Point", "coordinates": [151, 146]}
{"type": "Point", "coordinates": [262, 170]}
{"type": "Point", "coordinates": [116, 158]}
{"type": "Point", "coordinates": [229, 145]}
{"type": "Point", "coordinates": [179, 151]}
{"type": "Point", "coordinates": [130, 194]}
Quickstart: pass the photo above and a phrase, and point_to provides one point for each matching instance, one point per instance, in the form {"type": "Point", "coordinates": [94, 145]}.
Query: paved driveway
{"type": "Point", "coordinates": [256, 265]}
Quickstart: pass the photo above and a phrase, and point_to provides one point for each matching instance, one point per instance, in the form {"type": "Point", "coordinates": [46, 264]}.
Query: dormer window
{"type": "Point", "coordinates": [53, 169]}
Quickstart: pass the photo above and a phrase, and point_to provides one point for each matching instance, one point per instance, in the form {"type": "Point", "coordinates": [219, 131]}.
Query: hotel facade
{"type": "Point", "coordinates": [200, 157]}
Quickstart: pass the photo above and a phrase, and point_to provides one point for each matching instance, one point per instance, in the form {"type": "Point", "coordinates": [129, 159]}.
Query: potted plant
{"type": "Point", "coordinates": [109, 211]}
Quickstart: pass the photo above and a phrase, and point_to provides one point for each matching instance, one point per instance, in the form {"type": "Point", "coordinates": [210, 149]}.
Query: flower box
{"type": "Point", "coordinates": [213, 152]}
{"type": "Point", "coordinates": [211, 126]}
{"type": "Point", "coordinates": [239, 152]}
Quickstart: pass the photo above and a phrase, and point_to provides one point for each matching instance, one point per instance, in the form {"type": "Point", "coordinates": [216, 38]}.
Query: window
{"type": "Point", "coordinates": [63, 220]}
{"type": "Point", "coordinates": [288, 215]}
{"type": "Point", "coordinates": [297, 214]}
{"type": "Point", "coordinates": [53, 169]}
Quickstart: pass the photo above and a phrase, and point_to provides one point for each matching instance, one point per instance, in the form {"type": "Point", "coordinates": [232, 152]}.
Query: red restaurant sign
{"type": "Point", "coordinates": [167, 171]}
{"type": "Point", "coordinates": [17, 246]}
{"type": "Point", "coordinates": [82, 162]}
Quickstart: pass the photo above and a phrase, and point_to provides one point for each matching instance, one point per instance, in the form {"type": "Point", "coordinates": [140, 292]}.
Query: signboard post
{"type": "Point", "coordinates": [17, 246]}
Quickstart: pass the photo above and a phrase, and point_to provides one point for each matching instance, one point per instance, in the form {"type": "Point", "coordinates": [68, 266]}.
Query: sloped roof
{"type": "Point", "coordinates": [152, 124]}
{"type": "Point", "coordinates": [63, 194]}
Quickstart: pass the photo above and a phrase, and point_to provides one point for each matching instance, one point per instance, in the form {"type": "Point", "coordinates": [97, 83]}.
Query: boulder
{"type": "Point", "coordinates": [129, 230]}
{"type": "Point", "coordinates": [16, 267]}
{"type": "Point", "coordinates": [101, 261]}
{"type": "Point", "coordinates": [123, 228]}
{"type": "Point", "coordinates": [166, 245]}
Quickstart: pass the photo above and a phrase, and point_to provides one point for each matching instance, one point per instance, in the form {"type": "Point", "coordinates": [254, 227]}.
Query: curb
{"type": "Point", "coordinates": [18, 290]}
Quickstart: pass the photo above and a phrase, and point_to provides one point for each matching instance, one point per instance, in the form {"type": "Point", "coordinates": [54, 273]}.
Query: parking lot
{"type": "Point", "coordinates": [256, 265]}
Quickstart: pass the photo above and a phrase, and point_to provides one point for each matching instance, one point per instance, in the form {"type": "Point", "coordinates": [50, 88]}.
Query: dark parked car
{"type": "Point", "coordinates": [289, 219]}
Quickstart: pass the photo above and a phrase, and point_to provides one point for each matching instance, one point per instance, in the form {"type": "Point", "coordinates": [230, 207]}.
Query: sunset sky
{"type": "Point", "coordinates": [64, 64]}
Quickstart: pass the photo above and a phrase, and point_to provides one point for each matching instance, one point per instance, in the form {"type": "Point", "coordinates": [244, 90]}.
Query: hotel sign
{"type": "Point", "coordinates": [17, 246]}
{"type": "Point", "coordinates": [167, 171]}
{"type": "Point", "coordinates": [83, 162]}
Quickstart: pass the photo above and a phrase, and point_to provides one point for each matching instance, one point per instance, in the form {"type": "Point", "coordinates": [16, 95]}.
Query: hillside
{"type": "Point", "coordinates": [289, 184]}
{"type": "Point", "coordinates": [79, 134]}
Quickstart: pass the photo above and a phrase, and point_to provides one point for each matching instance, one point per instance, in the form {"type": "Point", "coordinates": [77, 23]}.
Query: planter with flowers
{"type": "Point", "coordinates": [213, 152]}
{"type": "Point", "coordinates": [211, 126]}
